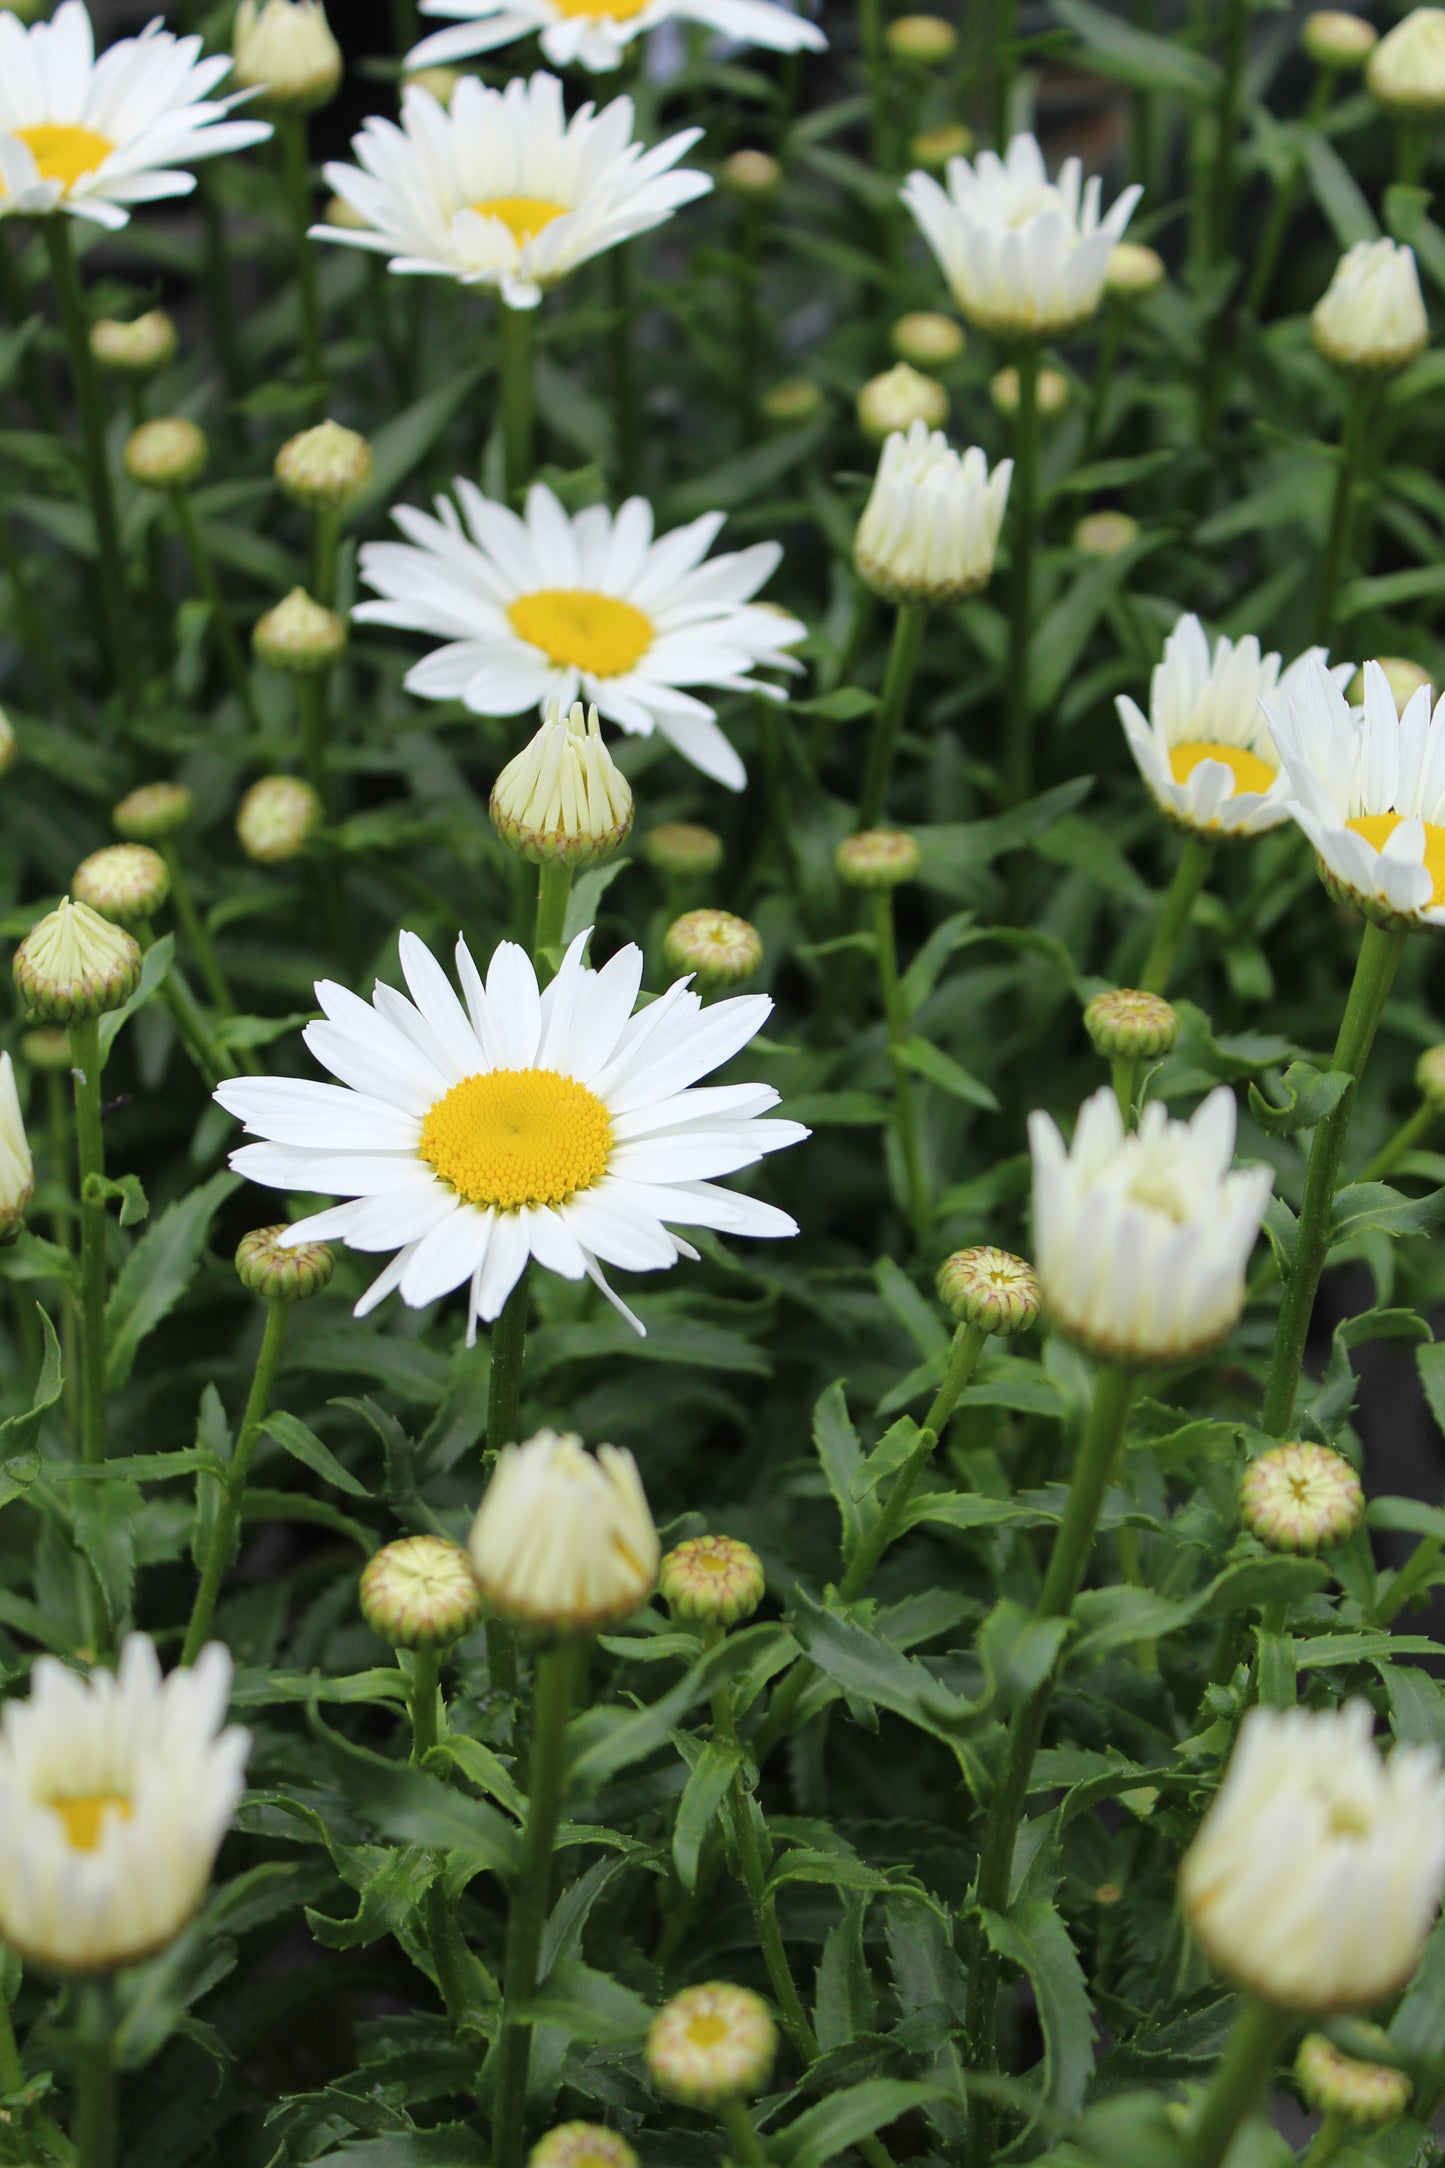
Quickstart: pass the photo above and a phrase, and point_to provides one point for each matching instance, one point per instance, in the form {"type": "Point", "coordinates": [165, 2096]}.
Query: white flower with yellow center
{"type": "Point", "coordinates": [92, 137]}
{"type": "Point", "coordinates": [596, 33]}
{"type": "Point", "coordinates": [1023, 255]}
{"type": "Point", "coordinates": [556, 1125]}
{"type": "Point", "coordinates": [1368, 789]}
{"type": "Point", "coordinates": [556, 608]}
{"type": "Point", "coordinates": [564, 1540]}
{"type": "Point", "coordinates": [1317, 1873]}
{"type": "Point", "coordinates": [931, 526]}
{"type": "Point", "coordinates": [1205, 750]}
{"type": "Point", "coordinates": [1141, 1238]}
{"type": "Point", "coordinates": [501, 189]}
{"type": "Point", "coordinates": [115, 1793]}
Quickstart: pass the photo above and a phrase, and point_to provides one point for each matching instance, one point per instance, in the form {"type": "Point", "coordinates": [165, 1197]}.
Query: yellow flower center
{"type": "Point", "coordinates": [1248, 770]}
{"type": "Point", "coordinates": [708, 2030]}
{"type": "Point", "coordinates": [64, 151]}
{"type": "Point", "coordinates": [574, 625]}
{"type": "Point", "coordinates": [518, 1137]}
{"type": "Point", "coordinates": [523, 216]}
{"type": "Point", "coordinates": [84, 1816]}
{"type": "Point", "coordinates": [607, 11]}
{"type": "Point", "coordinates": [1377, 829]}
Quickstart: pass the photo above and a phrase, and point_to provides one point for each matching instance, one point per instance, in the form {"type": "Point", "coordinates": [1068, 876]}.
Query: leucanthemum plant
{"type": "Point", "coordinates": [596, 34]}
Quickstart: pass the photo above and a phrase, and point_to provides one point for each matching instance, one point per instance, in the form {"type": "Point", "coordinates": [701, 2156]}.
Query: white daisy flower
{"type": "Point", "coordinates": [551, 607]}
{"type": "Point", "coordinates": [1368, 790]}
{"type": "Point", "coordinates": [556, 1125]}
{"type": "Point", "coordinates": [596, 33]}
{"type": "Point", "coordinates": [1205, 750]}
{"type": "Point", "coordinates": [91, 136]}
{"type": "Point", "coordinates": [115, 1793]}
{"type": "Point", "coordinates": [501, 189]}
{"type": "Point", "coordinates": [1022, 254]}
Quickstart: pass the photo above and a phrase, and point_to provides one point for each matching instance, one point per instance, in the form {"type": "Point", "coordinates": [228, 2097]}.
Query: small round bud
{"type": "Point", "coordinates": [1301, 1498]}
{"type": "Point", "coordinates": [285, 49]}
{"type": "Point", "coordinates": [564, 799]}
{"type": "Point", "coordinates": [1126, 1025]}
{"type": "Point", "coordinates": [796, 399]}
{"type": "Point", "coordinates": [933, 147]}
{"type": "Point", "coordinates": [421, 1593]}
{"type": "Point", "coordinates": [168, 454]}
{"type": "Point", "coordinates": [283, 1273]}
{"type": "Point", "coordinates": [1336, 40]}
{"type": "Point", "coordinates": [9, 743]}
{"type": "Point", "coordinates": [325, 468]}
{"type": "Point", "coordinates": [74, 963]}
{"type": "Point", "coordinates": [1052, 394]}
{"type": "Point", "coordinates": [989, 1289]}
{"type": "Point", "coordinates": [927, 339]}
{"type": "Point", "coordinates": [717, 948]}
{"type": "Point", "coordinates": [1430, 1077]}
{"type": "Point", "coordinates": [153, 812]}
{"type": "Point", "coordinates": [1339, 2084]}
{"type": "Point", "coordinates": [1406, 70]}
{"type": "Point", "coordinates": [440, 83]}
{"type": "Point", "coordinates": [753, 175]}
{"type": "Point", "coordinates": [47, 1047]}
{"type": "Point", "coordinates": [339, 212]}
{"type": "Point", "coordinates": [713, 1580]}
{"type": "Point", "coordinates": [1403, 677]}
{"type": "Point", "coordinates": [127, 882]}
{"type": "Point", "coordinates": [924, 39]}
{"type": "Point", "coordinates": [299, 635]}
{"type": "Point", "coordinates": [877, 858]}
{"type": "Point", "coordinates": [582, 2145]}
{"type": "Point", "coordinates": [682, 850]}
{"type": "Point", "coordinates": [1105, 534]}
{"type": "Point", "coordinates": [277, 819]}
{"type": "Point", "coordinates": [896, 400]}
{"type": "Point", "coordinates": [711, 2045]}
{"type": "Point", "coordinates": [1134, 271]}
{"type": "Point", "coordinates": [139, 348]}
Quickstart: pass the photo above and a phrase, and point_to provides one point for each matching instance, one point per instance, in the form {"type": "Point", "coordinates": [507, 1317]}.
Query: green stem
{"type": "Point", "coordinates": [760, 1899]}
{"type": "Point", "coordinates": [504, 1385]}
{"type": "Point", "coordinates": [1190, 874]}
{"type": "Point", "coordinates": [1236, 45]}
{"type": "Point", "coordinates": [554, 886]}
{"type": "Point", "coordinates": [186, 1015]}
{"type": "Point", "coordinates": [232, 657]}
{"type": "Point", "coordinates": [1281, 210]}
{"type": "Point", "coordinates": [1103, 375]}
{"type": "Point", "coordinates": [297, 156]}
{"type": "Point", "coordinates": [441, 1929]}
{"type": "Point", "coordinates": [1253, 2048]}
{"type": "Point", "coordinates": [201, 945]}
{"type": "Point", "coordinates": [12, 2069]}
{"type": "Point", "coordinates": [742, 2135]}
{"type": "Point", "coordinates": [1411, 1132]}
{"type": "Point", "coordinates": [514, 333]}
{"type": "Point", "coordinates": [326, 544]}
{"type": "Point", "coordinates": [749, 280]}
{"type": "Point", "coordinates": [1023, 520]}
{"type": "Point", "coordinates": [217, 268]}
{"type": "Point", "coordinates": [233, 1489]}
{"type": "Point", "coordinates": [96, 2131]}
{"type": "Point", "coordinates": [16, 300]}
{"type": "Point", "coordinates": [908, 628]}
{"type": "Point", "coordinates": [1380, 953]}
{"type": "Point", "coordinates": [626, 405]}
{"type": "Point", "coordinates": [90, 1155]}
{"type": "Point", "coordinates": [1327, 2141]}
{"type": "Point", "coordinates": [905, 1110]}
{"type": "Point", "coordinates": [968, 1345]}
{"type": "Point", "coordinates": [1412, 153]}
{"type": "Point", "coordinates": [311, 715]}
{"type": "Point", "coordinates": [1005, 37]}
{"type": "Point", "coordinates": [1359, 405]}
{"type": "Point", "coordinates": [1125, 1072]}
{"type": "Point", "coordinates": [404, 26]}
{"type": "Point", "coordinates": [35, 625]}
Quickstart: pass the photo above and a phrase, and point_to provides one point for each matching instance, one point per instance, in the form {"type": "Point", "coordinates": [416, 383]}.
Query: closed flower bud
{"type": "Point", "coordinates": [75, 964]}
{"type": "Point", "coordinates": [796, 399]}
{"type": "Point", "coordinates": [325, 468]}
{"type": "Point", "coordinates": [1133, 271]}
{"type": "Point", "coordinates": [717, 948]}
{"type": "Point", "coordinates": [564, 1541]}
{"type": "Point", "coordinates": [279, 1271]}
{"type": "Point", "coordinates": [1403, 677]}
{"type": "Point", "coordinates": [899, 398]}
{"type": "Point", "coordinates": [167, 454]}
{"type": "Point", "coordinates": [1105, 534]}
{"type": "Point", "coordinates": [127, 882]}
{"type": "Point", "coordinates": [581, 2145]}
{"type": "Point", "coordinates": [1052, 390]}
{"type": "Point", "coordinates": [1372, 319]}
{"type": "Point", "coordinates": [877, 858]}
{"type": "Point", "coordinates": [1361, 2093]}
{"type": "Point", "coordinates": [927, 339]}
{"type": "Point", "coordinates": [925, 39]}
{"type": "Point", "coordinates": [299, 635]}
{"type": "Point", "coordinates": [1127, 1025]}
{"type": "Point", "coordinates": [139, 348]}
{"type": "Point", "coordinates": [989, 1289]}
{"type": "Point", "coordinates": [420, 1593]}
{"type": "Point", "coordinates": [712, 1580]}
{"type": "Point", "coordinates": [1406, 70]}
{"type": "Point", "coordinates": [712, 2045]}
{"type": "Point", "coordinates": [1339, 41]}
{"type": "Point", "coordinates": [1430, 1077]}
{"type": "Point", "coordinates": [339, 212]}
{"type": "Point", "coordinates": [47, 1047]}
{"type": "Point", "coordinates": [17, 1172]}
{"type": "Point", "coordinates": [277, 819]}
{"type": "Point", "coordinates": [25, 11]}
{"type": "Point", "coordinates": [563, 799]}
{"type": "Point", "coordinates": [753, 175]}
{"type": "Point", "coordinates": [9, 743]}
{"type": "Point", "coordinates": [153, 812]}
{"type": "Point", "coordinates": [683, 850]}
{"type": "Point", "coordinates": [440, 82]}
{"type": "Point", "coordinates": [285, 48]}
{"type": "Point", "coordinates": [1301, 1498]}
{"type": "Point", "coordinates": [930, 528]}
{"type": "Point", "coordinates": [933, 147]}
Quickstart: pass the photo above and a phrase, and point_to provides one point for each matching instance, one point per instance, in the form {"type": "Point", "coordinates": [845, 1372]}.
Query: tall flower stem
{"type": "Point", "coordinates": [1023, 509]}
{"type": "Point", "coordinates": [12, 2069]}
{"type": "Point", "coordinates": [423, 1690]}
{"type": "Point", "coordinates": [1380, 953]}
{"type": "Point", "coordinates": [90, 1156]}
{"type": "Point", "coordinates": [233, 1488]}
{"type": "Point", "coordinates": [1412, 1131]}
{"type": "Point", "coordinates": [1190, 874]}
{"type": "Point", "coordinates": [1359, 407]}
{"type": "Point", "coordinates": [747, 2148]}
{"type": "Point", "coordinates": [903, 656]}
{"type": "Point", "coordinates": [1109, 330]}
{"type": "Point", "coordinates": [753, 1868]}
{"type": "Point", "coordinates": [232, 658]}
{"type": "Point", "coordinates": [1005, 37]}
{"type": "Point", "coordinates": [1412, 152]}
{"type": "Point", "coordinates": [1255, 2042]}
{"type": "Point", "coordinates": [187, 1017]}
{"type": "Point", "coordinates": [1114, 1390]}
{"type": "Point", "coordinates": [201, 945]}
{"type": "Point", "coordinates": [325, 550]}
{"type": "Point", "coordinates": [514, 337]}
{"type": "Point", "coordinates": [554, 886]}
{"type": "Point", "coordinates": [1232, 59]}
{"type": "Point", "coordinates": [504, 1398]}
{"type": "Point", "coordinates": [96, 2128]}
{"type": "Point", "coordinates": [296, 154]}
{"type": "Point", "coordinates": [556, 1672]}
{"type": "Point", "coordinates": [968, 1345]}
{"type": "Point", "coordinates": [1281, 210]}
{"type": "Point", "coordinates": [626, 409]}
{"type": "Point", "coordinates": [217, 274]}
{"type": "Point", "coordinates": [65, 278]}
{"type": "Point", "coordinates": [311, 716]}
{"type": "Point", "coordinates": [905, 1107]}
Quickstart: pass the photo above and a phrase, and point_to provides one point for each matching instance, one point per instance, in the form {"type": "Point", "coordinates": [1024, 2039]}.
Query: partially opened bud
{"type": "Point", "coordinates": [281, 1271]}
{"type": "Point", "coordinates": [1372, 320]}
{"type": "Point", "coordinates": [753, 175]}
{"type": "Point", "coordinates": [712, 1580]}
{"type": "Point", "coordinates": [1105, 534]}
{"type": "Point", "coordinates": [299, 635]}
{"type": "Point", "coordinates": [1301, 1498]}
{"type": "Point", "coordinates": [1403, 677]}
{"type": "Point", "coordinates": [711, 2045]}
{"type": "Point", "coordinates": [1339, 41]}
{"type": "Point", "coordinates": [1406, 70]}
{"type": "Point", "coordinates": [717, 948]}
{"type": "Point", "coordinates": [285, 48]}
{"type": "Point", "coordinates": [924, 39]}
{"type": "Point", "coordinates": [75, 964]}
{"type": "Point", "coordinates": [325, 468]}
{"type": "Point", "coordinates": [1133, 272]}
{"type": "Point", "coordinates": [1430, 1077]}
{"type": "Point", "coordinates": [339, 212]}
{"type": "Point", "coordinates": [1358, 2092]}
{"type": "Point", "coordinates": [877, 858]}
{"type": "Point", "coordinates": [127, 882]}
{"type": "Point", "coordinates": [277, 819]}
{"type": "Point", "coordinates": [989, 1289]}
{"type": "Point", "coordinates": [1127, 1025]}
{"type": "Point", "coordinates": [17, 1172]}
{"type": "Point", "coordinates": [927, 339]}
{"type": "Point", "coordinates": [582, 2145]}
{"type": "Point", "coordinates": [563, 798]}
{"type": "Point", "coordinates": [933, 147]}
{"type": "Point", "coordinates": [153, 812]}
{"type": "Point", "coordinates": [898, 399]}
{"type": "Point", "coordinates": [930, 528]}
{"type": "Point", "coordinates": [1052, 391]}
{"type": "Point", "coordinates": [564, 1541]}
{"type": "Point", "coordinates": [138, 348]}
{"type": "Point", "coordinates": [421, 1593]}
{"type": "Point", "coordinates": [166, 454]}
{"type": "Point", "coordinates": [683, 850]}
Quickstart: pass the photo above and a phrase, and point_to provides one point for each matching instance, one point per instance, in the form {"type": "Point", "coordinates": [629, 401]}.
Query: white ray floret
{"type": "Point", "coordinates": [556, 1125]}
{"type": "Point", "coordinates": [564, 1540]}
{"type": "Point", "coordinates": [931, 525]}
{"type": "Point", "coordinates": [596, 33]}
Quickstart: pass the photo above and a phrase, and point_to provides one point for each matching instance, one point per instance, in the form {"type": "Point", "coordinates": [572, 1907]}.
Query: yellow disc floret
{"type": "Point", "coordinates": [523, 216]}
{"type": "Point", "coordinates": [608, 11]}
{"type": "Point", "coordinates": [1377, 829]}
{"type": "Point", "coordinates": [85, 1815]}
{"type": "Point", "coordinates": [516, 1137]}
{"type": "Point", "coordinates": [576, 626]}
{"type": "Point", "coordinates": [64, 151]}
{"type": "Point", "coordinates": [1248, 770]}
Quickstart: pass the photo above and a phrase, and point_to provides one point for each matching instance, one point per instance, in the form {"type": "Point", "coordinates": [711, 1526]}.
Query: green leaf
{"type": "Point", "coordinates": [454, 2145]}
{"type": "Point", "coordinates": [1126, 55]}
{"type": "Point", "coordinates": [303, 1444]}
{"type": "Point", "coordinates": [836, 1443]}
{"type": "Point", "coordinates": [158, 1271]}
{"type": "Point", "coordinates": [156, 963]}
{"type": "Point", "coordinates": [19, 1462]}
{"type": "Point", "coordinates": [1310, 1094]}
{"type": "Point", "coordinates": [1336, 191]}
{"type": "Point", "coordinates": [845, 2004]}
{"type": "Point", "coordinates": [387, 1900]}
{"type": "Point", "coordinates": [401, 444]}
{"type": "Point", "coordinates": [1033, 1937]}
{"type": "Point", "coordinates": [931, 1063]}
{"type": "Point", "coordinates": [820, 2134]}
{"type": "Point", "coordinates": [408, 1804]}
{"type": "Point", "coordinates": [134, 1204]}
{"type": "Point", "coordinates": [588, 2005]}
{"type": "Point", "coordinates": [585, 897]}
{"type": "Point", "coordinates": [1375, 1208]}
{"type": "Point", "coordinates": [871, 1671]}
{"type": "Point", "coordinates": [702, 1798]}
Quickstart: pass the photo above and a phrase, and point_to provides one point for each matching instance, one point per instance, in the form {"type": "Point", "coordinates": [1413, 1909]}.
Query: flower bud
{"type": "Point", "coordinates": [440, 83]}
{"type": "Point", "coordinates": [990, 1289]}
{"type": "Point", "coordinates": [925, 39]}
{"type": "Point", "coordinates": [168, 454]}
{"type": "Point", "coordinates": [299, 635]}
{"type": "Point", "coordinates": [127, 882]}
{"type": "Point", "coordinates": [933, 147]}
{"type": "Point", "coordinates": [285, 48]}
{"type": "Point", "coordinates": [75, 964]}
{"type": "Point", "coordinates": [1339, 2084]}
{"type": "Point", "coordinates": [682, 850]}
{"type": "Point", "coordinates": [931, 525]}
{"type": "Point", "coordinates": [1372, 320]}
{"type": "Point", "coordinates": [753, 175]}
{"type": "Point", "coordinates": [1403, 677]}
{"type": "Point", "coordinates": [277, 819]}
{"type": "Point", "coordinates": [1133, 271]}
{"type": "Point", "coordinates": [17, 1172]}
{"type": "Point", "coordinates": [712, 2045]}
{"type": "Point", "coordinates": [280, 1273]}
{"type": "Point", "coordinates": [899, 398]}
{"type": "Point", "coordinates": [1301, 1498]}
{"type": "Point", "coordinates": [877, 858]}
{"type": "Point", "coordinates": [564, 1541]}
{"type": "Point", "coordinates": [420, 1593]}
{"type": "Point", "coordinates": [1338, 41]}
{"type": "Point", "coordinates": [1126, 1025]}
{"type": "Point", "coordinates": [339, 212]}
{"type": "Point", "coordinates": [927, 339]}
{"type": "Point", "coordinates": [796, 399]}
{"type": "Point", "coordinates": [582, 2145]}
{"type": "Point", "coordinates": [717, 948]}
{"type": "Point", "coordinates": [1430, 1077]}
{"type": "Point", "coordinates": [1052, 391]}
{"type": "Point", "coordinates": [1406, 70]}
{"type": "Point", "coordinates": [153, 812]}
{"type": "Point", "coordinates": [1105, 534]}
{"type": "Point", "coordinates": [325, 468]}
{"type": "Point", "coordinates": [9, 743]}
{"type": "Point", "coordinates": [712, 1580]}
{"type": "Point", "coordinates": [140, 348]}
{"type": "Point", "coordinates": [47, 1047]}
{"type": "Point", "coordinates": [25, 11]}
{"type": "Point", "coordinates": [563, 799]}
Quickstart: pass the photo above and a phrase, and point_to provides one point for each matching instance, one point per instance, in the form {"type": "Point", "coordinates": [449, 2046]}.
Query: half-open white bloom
{"type": "Point", "coordinates": [1205, 750]}
{"type": "Point", "coordinates": [596, 33]}
{"type": "Point", "coordinates": [17, 1169]}
{"type": "Point", "coordinates": [115, 1793]}
{"type": "Point", "coordinates": [1368, 789]}
{"type": "Point", "coordinates": [554, 1125]}
{"type": "Point", "coordinates": [285, 48]}
{"type": "Point", "coordinates": [1022, 255]}
{"type": "Point", "coordinates": [563, 796]}
{"type": "Point", "coordinates": [1318, 1870]}
{"type": "Point", "coordinates": [1141, 1239]}
{"type": "Point", "coordinates": [501, 189]}
{"type": "Point", "coordinates": [1372, 316]}
{"type": "Point", "coordinates": [563, 1541]}
{"type": "Point", "coordinates": [1406, 71]}
{"type": "Point", "coordinates": [551, 607]}
{"type": "Point", "coordinates": [92, 137]}
{"type": "Point", "coordinates": [930, 528]}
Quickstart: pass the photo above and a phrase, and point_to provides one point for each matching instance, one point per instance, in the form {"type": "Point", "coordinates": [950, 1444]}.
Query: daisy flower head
{"type": "Point", "coordinates": [595, 34]}
{"type": "Point", "coordinates": [1205, 749]}
{"type": "Point", "coordinates": [1023, 255]}
{"type": "Point", "coordinates": [591, 606]}
{"type": "Point", "coordinates": [501, 189]}
{"type": "Point", "coordinates": [469, 1135]}
{"type": "Point", "coordinates": [91, 137]}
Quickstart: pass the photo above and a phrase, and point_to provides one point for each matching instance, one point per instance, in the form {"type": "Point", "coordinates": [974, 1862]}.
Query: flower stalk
{"type": "Point", "coordinates": [90, 1156]}
{"type": "Point", "coordinates": [1256, 2041]}
{"type": "Point", "coordinates": [291, 126]}
{"type": "Point", "coordinates": [908, 627]}
{"type": "Point", "coordinates": [1359, 408]}
{"type": "Point", "coordinates": [96, 2129]}
{"type": "Point", "coordinates": [514, 335]}
{"type": "Point", "coordinates": [905, 1107]}
{"type": "Point", "coordinates": [1023, 507]}
{"type": "Point", "coordinates": [1190, 874]}
{"type": "Point", "coordinates": [968, 1344]}
{"type": "Point", "coordinates": [232, 658]}
{"type": "Point", "coordinates": [233, 1488]}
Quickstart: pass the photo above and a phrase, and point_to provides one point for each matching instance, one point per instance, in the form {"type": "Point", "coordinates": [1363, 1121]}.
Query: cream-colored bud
{"type": "Point", "coordinates": [582, 2145]}
{"type": "Point", "coordinates": [877, 858]}
{"type": "Point", "coordinates": [1052, 392]}
{"type": "Point", "coordinates": [930, 528]}
{"type": "Point", "coordinates": [1337, 40]}
{"type": "Point", "coordinates": [75, 964]}
{"type": "Point", "coordinates": [325, 468]}
{"type": "Point", "coordinates": [1127, 1025]}
{"type": "Point", "coordinates": [1133, 271]}
{"type": "Point", "coordinates": [279, 1271]}
{"type": "Point", "coordinates": [990, 1289]}
{"type": "Point", "coordinates": [716, 947]}
{"type": "Point", "coordinates": [277, 818]}
{"type": "Point", "coordinates": [896, 400]}
{"type": "Point", "coordinates": [933, 147]}
{"type": "Point", "coordinates": [1403, 677]}
{"type": "Point", "coordinates": [928, 340]}
{"type": "Point", "coordinates": [712, 1580]}
{"type": "Point", "coordinates": [1365, 2094]}
{"type": "Point", "coordinates": [339, 212]}
{"type": "Point", "coordinates": [1105, 534]}
{"type": "Point", "coordinates": [564, 1541]}
{"type": "Point", "coordinates": [796, 399]}
{"type": "Point", "coordinates": [9, 743]}
{"type": "Point", "coordinates": [166, 454]}
{"type": "Point", "coordinates": [1372, 319]}
{"type": "Point", "coordinates": [1301, 1498]}
{"type": "Point", "coordinates": [563, 799]}
{"type": "Point", "coordinates": [1430, 1077]}
{"type": "Point", "coordinates": [139, 348]}
{"type": "Point", "coordinates": [440, 82]}
{"type": "Point", "coordinates": [711, 2045]}
{"type": "Point", "coordinates": [1406, 70]}
{"type": "Point", "coordinates": [683, 850]}
{"type": "Point", "coordinates": [421, 1593]}
{"type": "Point", "coordinates": [299, 635]}
{"type": "Point", "coordinates": [753, 175]}
{"type": "Point", "coordinates": [924, 39]}
{"type": "Point", "coordinates": [17, 1172]}
{"type": "Point", "coordinates": [127, 882]}
{"type": "Point", "coordinates": [285, 48]}
{"type": "Point", "coordinates": [153, 812]}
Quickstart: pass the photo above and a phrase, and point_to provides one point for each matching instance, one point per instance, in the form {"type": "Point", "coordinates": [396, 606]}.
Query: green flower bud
{"type": "Point", "coordinates": [277, 819]}
{"type": "Point", "coordinates": [1105, 534]}
{"type": "Point", "coordinates": [712, 1580]}
{"type": "Point", "coordinates": [718, 949]}
{"type": "Point", "coordinates": [933, 148]}
{"type": "Point", "coordinates": [421, 1593]}
{"type": "Point", "coordinates": [877, 858]}
{"type": "Point", "coordinates": [153, 812]}
{"type": "Point", "coordinates": [893, 402]}
{"type": "Point", "coordinates": [127, 882]}
{"type": "Point", "coordinates": [1361, 2093]}
{"type": "Point", "coordinates": [928, 340]}
{"type": "Point", "coordinates": [582, 2145]}
{"type": "Point", "coordinates": [1126, 1025]}
{"type": "Point", "coordinates": [711, 2045]}
{"type": "Point", "coordinates": [990, 1289]}
{"type": "Point", "coordinates": [325, 468]}
{"type": "Point", "coordinates": [75, 964]}
{"type": "Point", "coordinates": [278, 1274]}
{"type": "Point", "coordinates": [299, 635]}
{"type": "Point", "coordinates": [927, 40]}
{"type": "Point", "coordinates": [1301, 1498]}
{"type": "Point", "coordinates": [796, 399]}
{"type": "Point", "coordinates": [167, 454]}
{"type": "Point", "coordinates": [753, 175]}
{"type": "Point", "coordinates": [682, 850]}
{"type": "Point", "coordinates": [139, 348]}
